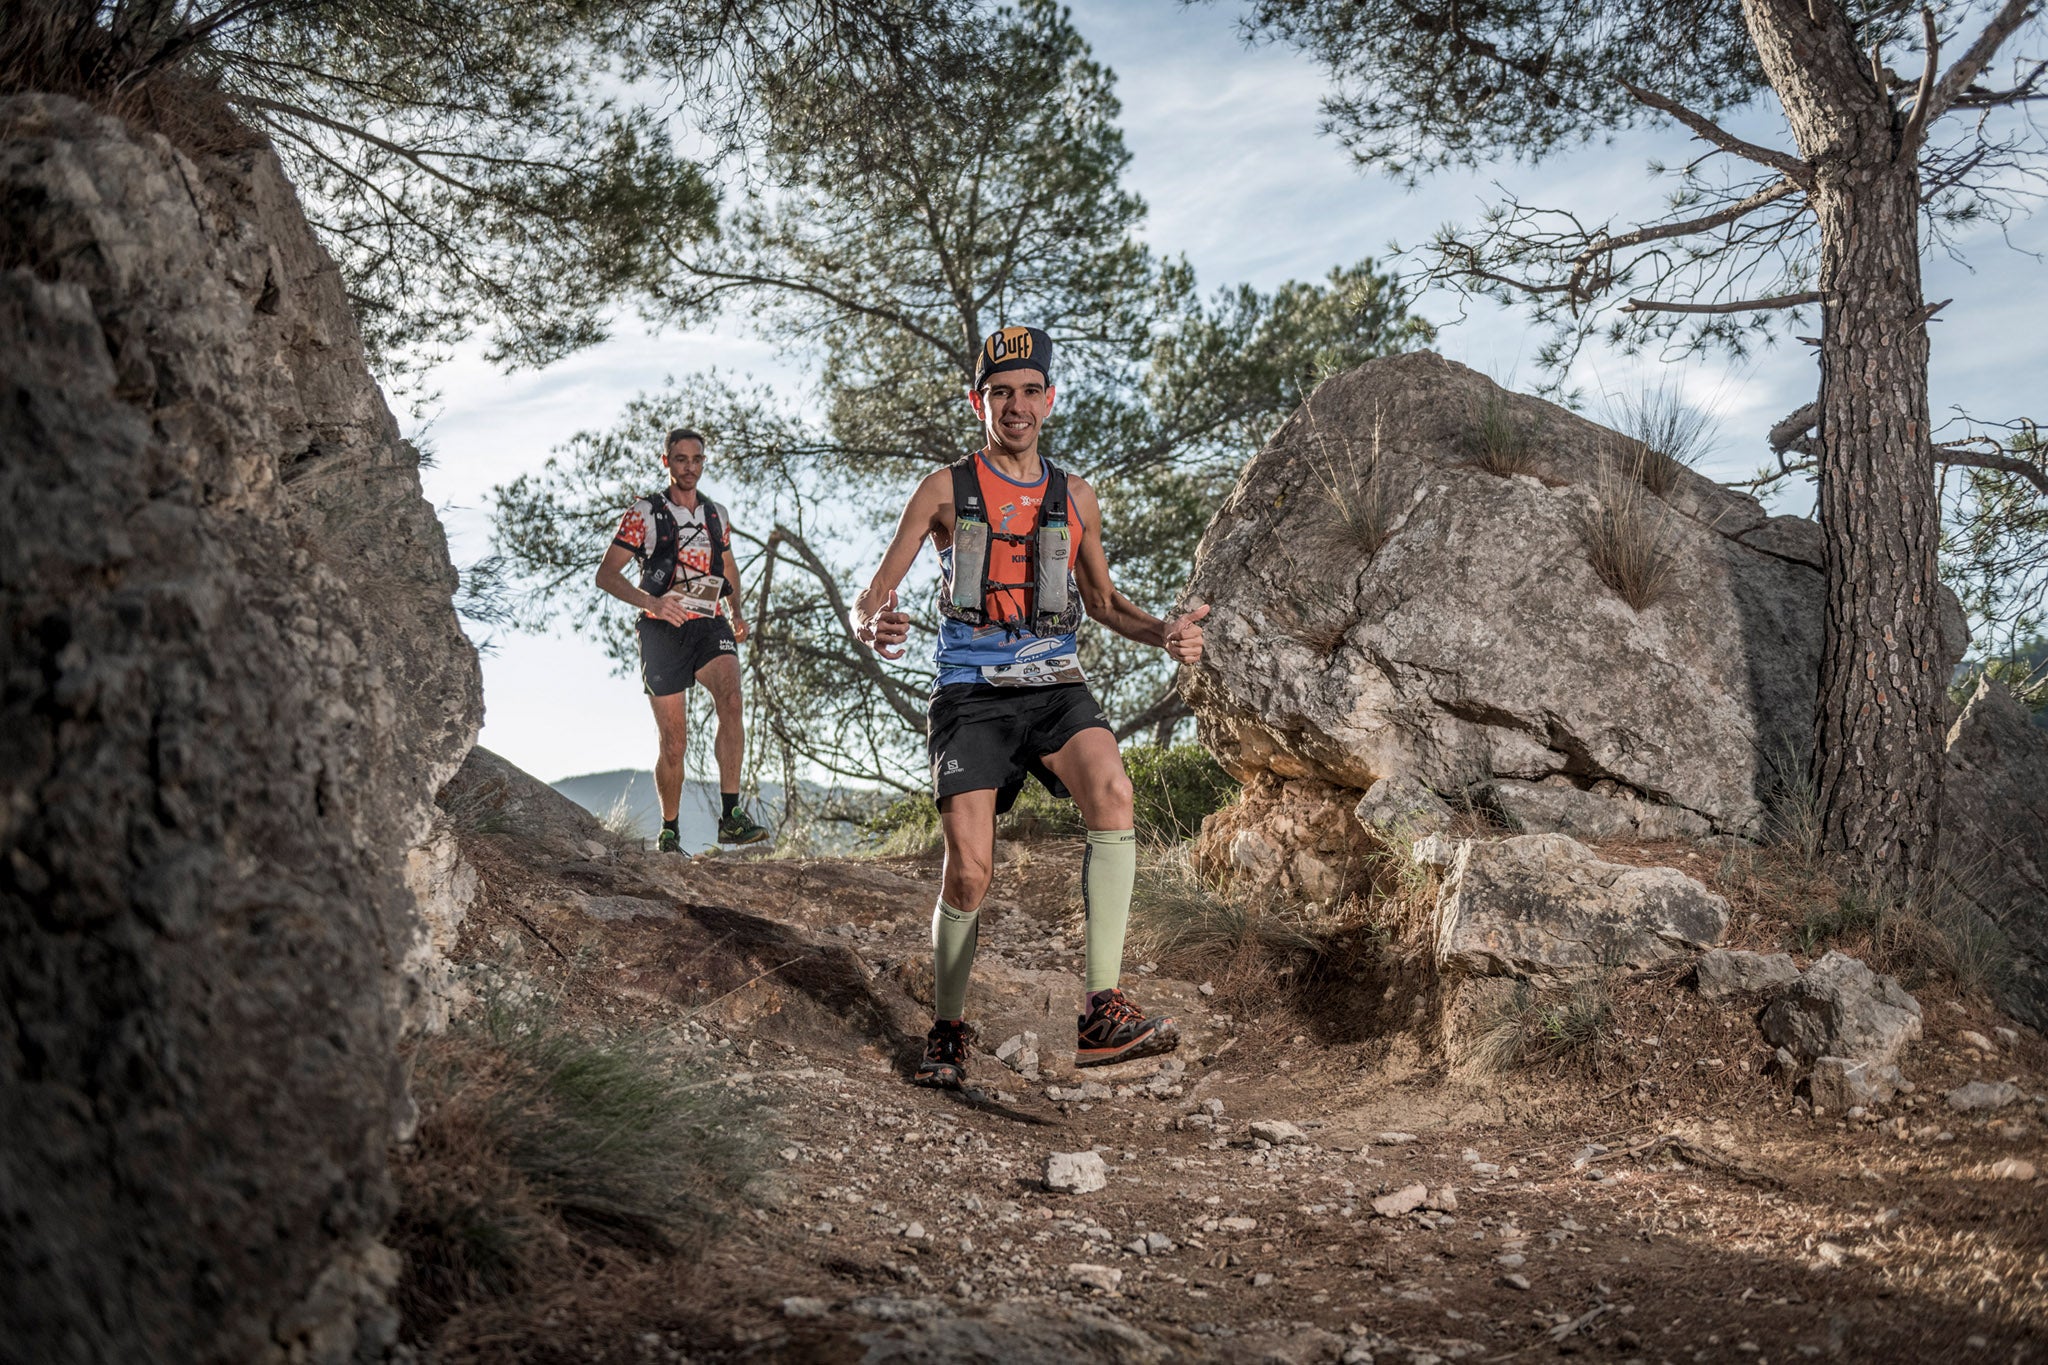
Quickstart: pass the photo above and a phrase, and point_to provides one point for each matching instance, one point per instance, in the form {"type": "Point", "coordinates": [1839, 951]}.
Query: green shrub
{"type": "Point", "coordinates": [1174, 788]}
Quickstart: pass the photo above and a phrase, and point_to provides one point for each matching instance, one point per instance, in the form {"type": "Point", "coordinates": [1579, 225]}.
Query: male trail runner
{"type": "Point", "coordinates": [683, 543]}
{"type": "Point", "coordinates": [1010, 699]}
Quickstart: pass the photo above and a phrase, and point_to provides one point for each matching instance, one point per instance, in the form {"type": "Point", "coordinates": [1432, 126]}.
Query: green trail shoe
{"type": "Point", "coordinates": [1115, 1030]}
{"type": "Point", "coordinates": [740, 828]}
{"type": "Point", "coordinates": [944, 1064]}
{"type": "Point", "coordinates": [668, 841]}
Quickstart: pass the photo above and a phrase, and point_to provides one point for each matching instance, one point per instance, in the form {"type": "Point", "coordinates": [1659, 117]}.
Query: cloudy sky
{"type": "Point", "coordinates": [1226, 152]}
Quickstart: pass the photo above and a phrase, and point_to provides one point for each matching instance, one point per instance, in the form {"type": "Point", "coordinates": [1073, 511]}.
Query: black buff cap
{"type": "Point", "coordinates": [1014, 348]}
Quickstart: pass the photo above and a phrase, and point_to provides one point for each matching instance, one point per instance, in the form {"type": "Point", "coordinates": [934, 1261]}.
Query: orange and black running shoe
{"type": "Point", "coordinates": [1114, 1030]}
{"type": "Point", "coordinates": [944, 1064]}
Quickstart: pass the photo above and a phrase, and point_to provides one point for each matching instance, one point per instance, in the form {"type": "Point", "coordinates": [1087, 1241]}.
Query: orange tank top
{"type": "Point", "coordinates": [1013, 510]}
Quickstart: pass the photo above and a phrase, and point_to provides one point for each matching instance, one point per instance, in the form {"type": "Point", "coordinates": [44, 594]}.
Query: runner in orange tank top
{"type": "Point", "coordinates": [1008, 703]}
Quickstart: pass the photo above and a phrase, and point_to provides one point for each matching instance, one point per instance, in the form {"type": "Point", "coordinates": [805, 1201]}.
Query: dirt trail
{"type": "Point", "coordinates": [1676, 1207]}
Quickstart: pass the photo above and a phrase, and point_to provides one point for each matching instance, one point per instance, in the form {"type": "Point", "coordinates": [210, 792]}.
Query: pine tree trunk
{"type": "Point", "coordinates": [1877, 717]}
{"type": "Point", "coordinates": [1877, 720]}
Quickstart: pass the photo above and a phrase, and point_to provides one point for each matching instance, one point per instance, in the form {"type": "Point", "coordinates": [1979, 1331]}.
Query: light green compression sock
{"type": "Point", "coordinates": [1108, 869]}
{"type": "Point", "coordinates": [954, 934]}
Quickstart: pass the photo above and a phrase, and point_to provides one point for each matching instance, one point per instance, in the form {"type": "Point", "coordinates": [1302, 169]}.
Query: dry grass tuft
{"type": "Point", "coordinates": [1496, 440]}
{"type": "Point", "coordinates": [1571, 1028]}
{"type": "Point", "coordinates": [540, 1148]}
{"type": "Point", "coordinates": [1356, 486]}
{"type": "Point", "coordinates": [1664, 435]}
{"type": "Point", "coordinates": [1631, 538]}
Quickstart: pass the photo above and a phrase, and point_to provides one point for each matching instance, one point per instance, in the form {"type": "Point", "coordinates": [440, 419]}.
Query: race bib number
{"type": "Point", "coordinates": [1056, 668]}
{"type": "Point", "coordinates": [699, 595]}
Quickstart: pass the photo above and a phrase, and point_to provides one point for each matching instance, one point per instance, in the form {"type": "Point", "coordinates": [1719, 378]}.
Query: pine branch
{"type": "Point", "coordinates": [1958, 78]}
{"type": "Point", "coordinates": [1791, 167]}
{"type": "Point", "coordinates": [1740, 306]}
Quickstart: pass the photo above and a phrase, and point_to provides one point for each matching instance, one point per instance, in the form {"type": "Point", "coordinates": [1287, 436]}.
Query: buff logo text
{"type": "Point", "coordinates": [1012, 343]}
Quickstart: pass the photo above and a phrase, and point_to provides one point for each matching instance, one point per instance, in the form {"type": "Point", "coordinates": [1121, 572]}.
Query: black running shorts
{"type": "Point", "coordinates": [981, 737]}
{"type": "Point", "coordinates": [671, 655]}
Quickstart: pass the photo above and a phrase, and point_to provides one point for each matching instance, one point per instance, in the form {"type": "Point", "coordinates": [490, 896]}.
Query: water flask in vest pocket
{"type": "Point", "coordinates": [970, 562]}
{"type": "Point", "coordinates": [1055, 555]}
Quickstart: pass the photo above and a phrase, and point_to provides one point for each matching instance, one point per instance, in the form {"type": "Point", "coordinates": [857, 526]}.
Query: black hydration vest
{"type": "Point", "coordinates": [658, 571]}
{"type": "Point", "coordinates": [1055, 598]}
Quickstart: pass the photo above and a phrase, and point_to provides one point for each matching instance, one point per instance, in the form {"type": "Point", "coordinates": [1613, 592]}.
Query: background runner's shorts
{"type": "Point", "coordinates": [671, 655]}
{"type": "Point", "coordinates": [980, 737]}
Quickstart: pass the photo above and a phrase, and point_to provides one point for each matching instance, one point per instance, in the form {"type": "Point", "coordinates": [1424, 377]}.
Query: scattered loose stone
{"type": "Point", "coordinates": [1102, 1278]}
{"type": "Point", "coordinates": [1239, 1224]}
{"type": "Point", "coordinates": [1977, 1040]}
{"type": "Point", "coordinates": [1277, 1131]}
{"type": "Point", "coordinates": [1838, 1083]}
{"type": "Point", "coordinates": [2012, 1168]}
{"type": "Point", "coordinates": [1511, 1260]}
{"type": "Point", "coordinates": [1019, 1052]}
{"type": "Point", "coordinates": [1982, 1095]}
{"type": "Point", "coordinates": [914, 1232]}
{"type": "Point", "coordinates": [2009, 1036]}
{"type": "Point", "coordinates": [1443, 1200]}
{"type": "Point", "coordinates": [1393, 1139]}
{"type": "Point", "coordinates": [1840, 1008]}
{"type": "Point", "coordinates": [1725, 972]}
{"type": "Point", "coordinates": [1405, 1200]}
{"type": "Point", "coordinates": [1158, 1243]}
{"type": "Point", "coordinates": [1515, 1281]}
{"type": "Point", "coordinates": [798, 1306]}
{"type": "Point", "coordinates": [1075, 1172]}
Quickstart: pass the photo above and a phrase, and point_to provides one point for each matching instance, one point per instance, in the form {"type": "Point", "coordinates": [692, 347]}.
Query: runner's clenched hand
{"type": "Point", "coordinates": [1184, 636]}
{"type": "Point", "coordinates": [739, 627]}
{"type": "Point", "coordinates": [886, 630]}
{"type": "Point", "coordinates": [670, 609]}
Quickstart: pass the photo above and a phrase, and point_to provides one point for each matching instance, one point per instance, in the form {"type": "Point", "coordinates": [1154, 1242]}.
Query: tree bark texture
{"type": "Point", "coordinates": [1877, 722]}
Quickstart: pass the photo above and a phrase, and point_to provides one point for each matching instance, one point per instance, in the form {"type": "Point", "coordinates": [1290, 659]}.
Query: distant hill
{"type": "Point", "coordinates": [625, 799]}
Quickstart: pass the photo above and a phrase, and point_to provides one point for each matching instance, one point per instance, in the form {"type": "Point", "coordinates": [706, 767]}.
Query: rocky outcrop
{"type": "Point", "coordinates": [232, 683]}
{"type": "Point", "coordinates": [1542, 905]}
{"type": "Point", "coordinates": [1995, 819]}
{"type": "Point", "coordinates": [1300, 839]}
{"type": "Point", "coordinates": [1384, 604]}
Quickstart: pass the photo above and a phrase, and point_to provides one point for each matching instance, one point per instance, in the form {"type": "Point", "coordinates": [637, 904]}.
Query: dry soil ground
{"type": "Point", "coordinates": [1675, 1205]}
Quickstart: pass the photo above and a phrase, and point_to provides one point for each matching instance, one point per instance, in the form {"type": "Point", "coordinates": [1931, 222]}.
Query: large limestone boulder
{"type": "Point", "coordinates": [1544, 905]}
{"type": "Point", "coordinates": [1995, 817]}
{"type": "Point", "coordinates": [233, 681]}
{"type": "Point", "coordinates": [1383, 604]}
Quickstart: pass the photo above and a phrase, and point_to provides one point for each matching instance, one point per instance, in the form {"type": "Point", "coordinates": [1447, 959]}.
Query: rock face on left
{"type": "Point", "coordinates": [232, 683]}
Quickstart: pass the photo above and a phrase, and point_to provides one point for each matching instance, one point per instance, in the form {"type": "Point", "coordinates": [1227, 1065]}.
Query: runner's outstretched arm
{"type": "Point", "coordinates": [873, 617]}
{"type": "Point", "coordinates": [1181, 637]}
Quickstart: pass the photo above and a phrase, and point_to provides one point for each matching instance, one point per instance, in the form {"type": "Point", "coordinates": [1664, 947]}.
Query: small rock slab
{"type": "Point", "coordinates": [1545, 905]}
{"type": "Point", "coordinates": [1393, 1139]}
{"type": "Point", "coordinates": [1402, 806]}
{"type": "Point", "coordinates": [1076, 1172]}
{"type": "Point", "coordinates": [1404, 1200]}
{"type": "Point", "coordinates": [1983, 1095]}
{"type": "Point", "coordinates": [1101, 1278]}
{"type": "Point", "coordinates": [1276, 1131]}
{"type": "Point", "coordinates": [2012, 1168]}
{"type": "Point", "coordinates": [1840, 1008]}
{"type": "Point", "coordinates": [1839, 1083]}
{"type": "Point", "coordinates": [1725, 972]}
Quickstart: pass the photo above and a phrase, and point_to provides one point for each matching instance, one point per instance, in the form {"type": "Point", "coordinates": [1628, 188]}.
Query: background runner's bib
{"type": "Point", "coordinates": [695, 583]}
{"type": "Point", "coordinates": [999, 653]}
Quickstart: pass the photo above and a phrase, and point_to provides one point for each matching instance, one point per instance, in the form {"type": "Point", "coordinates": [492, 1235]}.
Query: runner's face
{"type": "Point", "coordinates": [686, 464]}
{"type": "Point", "coordinates": [1013, 406]}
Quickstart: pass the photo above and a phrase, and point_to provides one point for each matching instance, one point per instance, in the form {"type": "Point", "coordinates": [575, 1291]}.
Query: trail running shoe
{"type": "Point", "coordinates": [740, 828]}
{"type": "Point", "coordinates": [668, 841]}
{"type": "Point", "coordinates": [1116, 1031]}
{"type": "Point", "coordinates": [944, 1064]}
